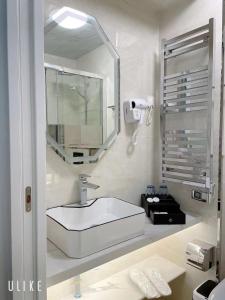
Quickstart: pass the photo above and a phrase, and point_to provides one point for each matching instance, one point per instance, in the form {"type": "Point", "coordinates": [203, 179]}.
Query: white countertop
{"type": "Point", "coordinates": [119, 285]}
{"type": "Point", "coordinates": [60, 267]}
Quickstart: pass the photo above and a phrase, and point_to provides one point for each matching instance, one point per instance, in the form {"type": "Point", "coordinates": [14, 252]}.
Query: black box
{"type": "Point", "coordinates": [166, 211]}
{"type": "Point", "coordinates": [175, 217]}
{"type": "Point", "coordinates": [166, 203]}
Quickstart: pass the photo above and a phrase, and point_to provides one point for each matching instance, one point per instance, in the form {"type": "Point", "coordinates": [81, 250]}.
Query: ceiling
{"type": "Point", "coordinates": [162, 4]}
{"type": "Point", "coordinates": [157, 5]}
{"type": "Point", "coordinates": [72, 44]}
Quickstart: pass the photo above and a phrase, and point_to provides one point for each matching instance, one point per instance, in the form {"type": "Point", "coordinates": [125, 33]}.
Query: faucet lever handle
{"type": "Point", "coordinates": [83, 176]}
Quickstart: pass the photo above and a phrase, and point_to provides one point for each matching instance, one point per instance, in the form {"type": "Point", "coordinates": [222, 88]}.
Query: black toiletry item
{"type": "Point", "coordinates": [166, 211]}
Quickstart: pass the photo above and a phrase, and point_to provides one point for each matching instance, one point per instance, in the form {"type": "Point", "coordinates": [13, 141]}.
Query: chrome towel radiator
{"type": "Point", "coordinates": [187, 108]}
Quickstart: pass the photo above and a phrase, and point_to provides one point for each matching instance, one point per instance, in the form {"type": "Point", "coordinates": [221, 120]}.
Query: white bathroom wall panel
{"type": "Point", "coordinates": [123, 171]}
{"type": "Point", "coordinates": [5, 222]}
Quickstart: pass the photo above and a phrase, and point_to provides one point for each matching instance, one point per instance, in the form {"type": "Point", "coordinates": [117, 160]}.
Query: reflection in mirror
{"type": "Point", "coordinates": [82, 87]}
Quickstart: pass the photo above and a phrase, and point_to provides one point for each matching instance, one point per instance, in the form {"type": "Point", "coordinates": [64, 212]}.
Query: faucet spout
{"type": "Point", "coordinates": [84, 185]}
{"type": "Point", "coordinates": [91, 186]}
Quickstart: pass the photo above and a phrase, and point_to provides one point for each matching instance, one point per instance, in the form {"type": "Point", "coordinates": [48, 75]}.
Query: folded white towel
{"type": "Point", "coordinates": [145, 285]}
{"type": "Point", "coordinates": [150, 200]}
{"type": "Point", "coordinates": [158, 281]}
{"type": "Point", "coordinates": [156, 199]}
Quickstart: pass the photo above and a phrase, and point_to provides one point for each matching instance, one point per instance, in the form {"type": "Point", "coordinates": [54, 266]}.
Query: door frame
{"type": "Point", "coordinates": [25, 19]}
{"type": "Point", "coordinates": [221, 245]}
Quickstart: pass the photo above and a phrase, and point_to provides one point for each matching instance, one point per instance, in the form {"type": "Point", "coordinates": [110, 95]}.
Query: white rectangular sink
{"type": "Point", "coordinates": [80, 231]}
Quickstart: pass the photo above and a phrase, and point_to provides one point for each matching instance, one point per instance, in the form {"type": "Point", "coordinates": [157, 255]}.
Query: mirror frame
{"type": "Point", "coordinates": [50, 24]}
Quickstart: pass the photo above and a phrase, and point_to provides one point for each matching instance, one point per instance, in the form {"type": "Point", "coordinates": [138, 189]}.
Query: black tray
{"type": "Point", "coordinates": [166, 211]}
{"type": "Point", "coordinates": [166, 203]}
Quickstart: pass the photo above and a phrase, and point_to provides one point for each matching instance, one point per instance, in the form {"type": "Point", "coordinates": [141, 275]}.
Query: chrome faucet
{"type": "Point", "coordinates": [84, 185]}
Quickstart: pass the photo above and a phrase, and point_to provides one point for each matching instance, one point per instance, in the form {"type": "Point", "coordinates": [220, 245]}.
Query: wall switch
{"type": "Point", "coordinates": [200, 196]}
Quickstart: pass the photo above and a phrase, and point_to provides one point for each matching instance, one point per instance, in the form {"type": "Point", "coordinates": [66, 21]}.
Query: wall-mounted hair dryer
{"type": "Point", "coordinates": [136, 110]}
{"type": "Point", "coordinates": [140, 103]}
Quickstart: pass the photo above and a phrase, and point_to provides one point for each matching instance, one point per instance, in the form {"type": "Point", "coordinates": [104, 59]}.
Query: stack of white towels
{"type": "Point", "coordinates": [150, 282]}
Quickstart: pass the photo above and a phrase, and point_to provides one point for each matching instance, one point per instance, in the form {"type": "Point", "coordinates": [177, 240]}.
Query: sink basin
{"type": "Point", "coordinates": [80, 231]}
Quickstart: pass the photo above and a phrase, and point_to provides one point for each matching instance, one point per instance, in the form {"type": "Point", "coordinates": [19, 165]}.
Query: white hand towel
{"type": "Point", "coordinates": [158, 281]}
{"type": "Point", "coordinates": [142, 282]}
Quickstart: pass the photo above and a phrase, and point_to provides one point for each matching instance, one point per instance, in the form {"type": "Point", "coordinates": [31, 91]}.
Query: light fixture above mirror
{"type": "Point", "coordinates": [69, 18]}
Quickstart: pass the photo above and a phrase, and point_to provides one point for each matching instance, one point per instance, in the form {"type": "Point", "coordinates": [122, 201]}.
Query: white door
{"type": "Point", "coordinates": [27, 147]}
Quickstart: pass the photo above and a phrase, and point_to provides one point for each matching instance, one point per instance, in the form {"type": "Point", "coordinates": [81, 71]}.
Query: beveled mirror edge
{"type": "Point", "coordinates": [111, 139]}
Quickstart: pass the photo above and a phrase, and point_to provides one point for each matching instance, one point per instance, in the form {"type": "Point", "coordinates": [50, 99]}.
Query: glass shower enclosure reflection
{"type": "Point", "coordinates": [74, 109]}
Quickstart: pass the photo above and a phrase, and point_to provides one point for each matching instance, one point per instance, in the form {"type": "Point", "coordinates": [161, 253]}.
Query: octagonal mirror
{"type": "Point", "coordinates": [82, 87]}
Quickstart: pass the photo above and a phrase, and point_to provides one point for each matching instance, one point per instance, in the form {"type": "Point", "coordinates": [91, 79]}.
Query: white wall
{"type": "Point", "coordinates": [122, 172]}
{"type": "Point", "coordinates": [5, 223]}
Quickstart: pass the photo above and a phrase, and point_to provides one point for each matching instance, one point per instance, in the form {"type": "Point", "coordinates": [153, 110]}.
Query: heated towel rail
{"type": "Point", "coordinates": [186, 113]}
